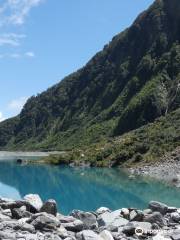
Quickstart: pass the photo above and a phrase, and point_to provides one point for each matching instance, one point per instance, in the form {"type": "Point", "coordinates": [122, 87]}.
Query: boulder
{"type": "Point", "coordinates": [65, 219]}
{"type": "Point", "coordinates": [155, 217]}
{"type": "Point", "coordinates": [113, 219]}
{"type": "Point", "coordinates": [4, 217]}
{"type": "Point", "coordinates": [125, 212]}
{"type": "Point", "coordinates": [89, 219]}
{"type": "Point", "coordinates": [102, 210]}
{"type": "Point", "coordinates": [62, 232]}
{"type": "Point", "coordinates": [175, 216]}
{"type": "Point", "coordinates": [147, 211]}
{"type": "Point", "coordinates": [25, 227]}
{"type": "Point", "coordinates": [70, 238]}
{"type": "Point", "coordinates": [106, 235]}
{"type": "Point", "coordinates": [88, 235]}
{"type": "Point", "coordinates": [34, 200]}
{"type": "Point", "coordinates": [18, 213]}
{"type": "Point", "coordinates": [159, 236]}
{"type": "Point", "coordinates": [175, 236]}
{"type": "Point", "coordinates": [43, 221]}
{"type": "Point", "coordinates": [50, 207]}
{"type": "Point", "coordinates": [158, 207]}
{"type": "Point", "coordinates": [7, 212]}
{"type": "Point", "coordinates": [75, 226]}
{"type": "Point", "coordinates": [7, 235]}
{"type": "Point", "coordinates": [172, 209]}
{"type": "Point", "coordinates": [136, 215]}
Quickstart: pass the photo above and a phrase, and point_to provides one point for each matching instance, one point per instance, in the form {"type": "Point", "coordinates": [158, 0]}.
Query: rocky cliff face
{"type": "Point", "coordinates": [131, 82]}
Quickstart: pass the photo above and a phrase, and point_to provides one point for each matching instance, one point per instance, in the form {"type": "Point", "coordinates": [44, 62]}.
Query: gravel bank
{"type": "Point", "coordinates": [166, 169]}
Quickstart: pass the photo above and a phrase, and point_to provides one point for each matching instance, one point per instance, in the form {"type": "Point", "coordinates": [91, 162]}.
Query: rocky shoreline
{"type": "Point", "coordinates": [167, 169]}
{"type": "Point", "coordinates": [31, 219]}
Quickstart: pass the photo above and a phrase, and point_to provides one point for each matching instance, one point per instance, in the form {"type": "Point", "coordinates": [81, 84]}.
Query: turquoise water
{"type": "Point", "coordinates": [85, 189]}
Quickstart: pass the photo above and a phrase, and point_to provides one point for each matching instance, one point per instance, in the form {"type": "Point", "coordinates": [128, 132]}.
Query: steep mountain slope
{"type": "Point", "coordinates": [131, 82]}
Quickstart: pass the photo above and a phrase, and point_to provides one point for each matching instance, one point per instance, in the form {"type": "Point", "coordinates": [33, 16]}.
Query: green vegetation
{"type": "Point", "coordinates": [146, 144]}
{"type": "Point", "coordinates": [133, 81]}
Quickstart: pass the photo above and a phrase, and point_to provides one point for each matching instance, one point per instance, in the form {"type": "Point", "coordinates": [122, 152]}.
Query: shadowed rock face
{"type": "Point", "coordinates": [131, 82]}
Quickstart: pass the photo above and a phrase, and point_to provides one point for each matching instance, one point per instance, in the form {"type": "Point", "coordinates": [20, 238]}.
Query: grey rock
{"type": "Point", "coordinates": [75, 226]}
{"type": "Point", "coordinates": [147, 211]}
{"type": "Point", "coordinates": [113, 219]}
{"type": "Point", "coordinates": [25, 227]}
{"type": "Point", "coordinates": [50, 207]}
{"type": "Point", "coordinates": [7, 235]}
{"type": "Point", "coordinates": [155, 217]}
{"type": "Point", "coordinates": [89, 219]}
{"type": "Point", "coordinates": [66, 219]}
{"type": "Point", "coordinates": [18, 204]}
{"type": "Point", "coordinates": [62, 232]}
{"type": "Point", "coordinates": [71, 234]}
{"type": "Point", "coordinates": [102, 210]}
{"type": "Point", "coordinates": [175, 236]}
{"type": "Point", "coordinates": [106, 235]}
{"type": "Point", "coordinates": [118, 235]}
{"type": "Point", "coordinates": [158, 207]}
{"type": "Point", "coordinates": [18, 213]}
{"type": "Point", "coordinates": [34, 200]}
{"type": "Point", "coordinates": [159, 236]}
{"type": "Point", "coordinates": [125, 212]}
{"type": "Point", "coordinates": [136, 215]}
{"type": "Point", "coordinates": [171, 209]}
{"type": "Point", "coordinates": [70, 238]}
{"type": "Point", "coordinates": [4, 217]}
{"type": "Point", "coordinates": [175, 216]}
{"type": "Point", "coordinates": [45, 221]}
{"type": "Point", "coordinates": [88, 235]}
{"type": "Point", "coordinates": [8, 224]}
{"type": "Point", "coordinates": [7, 212]}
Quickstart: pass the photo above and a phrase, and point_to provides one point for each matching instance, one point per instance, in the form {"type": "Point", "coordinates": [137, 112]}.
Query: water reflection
{"type": "Point", "coordinates": [85, 189]}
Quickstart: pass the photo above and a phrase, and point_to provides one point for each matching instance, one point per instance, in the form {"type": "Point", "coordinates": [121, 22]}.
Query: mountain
{"type": "Point", "coordinates": [134, 80]}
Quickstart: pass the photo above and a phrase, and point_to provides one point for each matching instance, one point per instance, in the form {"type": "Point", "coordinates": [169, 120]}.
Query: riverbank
{"type": "Point", "coordinates": [167, 169]}
{"type": "Point", "coordinates": [30, 218]}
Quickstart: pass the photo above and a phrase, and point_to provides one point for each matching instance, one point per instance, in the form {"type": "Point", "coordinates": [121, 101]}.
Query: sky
{"type": "Point", "coordinates": [42, 41]}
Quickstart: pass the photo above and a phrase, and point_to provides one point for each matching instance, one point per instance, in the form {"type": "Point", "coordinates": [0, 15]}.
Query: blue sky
{"type": "Point", "coordinates": [42, 41]}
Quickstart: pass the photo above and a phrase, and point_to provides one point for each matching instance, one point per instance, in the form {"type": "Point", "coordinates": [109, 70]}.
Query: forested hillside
{"type": "Point", "coordinates": [131, 82]}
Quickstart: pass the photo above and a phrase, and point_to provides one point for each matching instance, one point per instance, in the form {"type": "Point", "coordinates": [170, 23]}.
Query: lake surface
{"type": "Point", "coordinates": [85, 189]}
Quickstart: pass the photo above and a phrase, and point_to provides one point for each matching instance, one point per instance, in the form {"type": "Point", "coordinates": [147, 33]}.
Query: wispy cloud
{"type": "Point", "coordinates": [17, 55]}
{"type": "Point", "coordinates": [15, 11]}
{"type": "Point", "coordinates": [1, 117]}
{"type": "Point", "coordinates": [30, 54]}
{"type": "Point", "coordinates": [17, 104]}
{"type": "Point", "coordinates": [11, 39]}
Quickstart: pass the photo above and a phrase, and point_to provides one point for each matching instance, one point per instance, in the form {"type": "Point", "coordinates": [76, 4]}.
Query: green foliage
{"type": "Point", "coordinates": [146, 144]}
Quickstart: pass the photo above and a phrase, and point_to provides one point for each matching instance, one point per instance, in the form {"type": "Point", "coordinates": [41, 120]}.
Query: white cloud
{"type": "Point", "coordinates": [30, 54]}
{"type": "Point", "coordinates": [15, 11]}
{"type": "Point", "coordinates": [11, 39]}
{"type": "Point", "coordinates": [17, 104]}
{"type": "Point", "coordinates": [17, 55]}
{"type": "Point", "coordinates": [1, 117]}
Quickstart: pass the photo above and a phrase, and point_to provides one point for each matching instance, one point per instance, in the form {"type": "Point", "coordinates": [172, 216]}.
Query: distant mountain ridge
{"type": "Point", "coordinates": [131, 82]}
